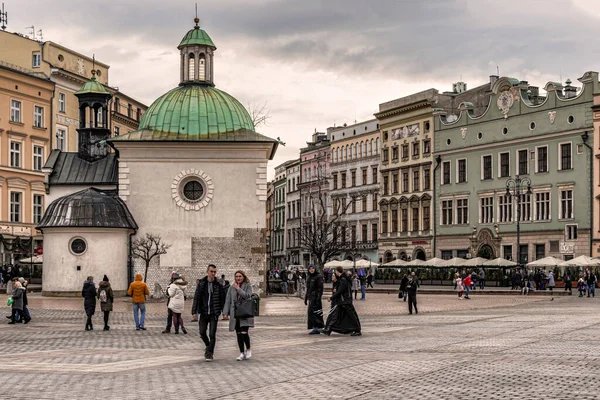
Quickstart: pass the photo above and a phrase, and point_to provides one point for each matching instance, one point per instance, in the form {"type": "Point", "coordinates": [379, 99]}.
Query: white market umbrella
{"type": "Point", "coordinates": [366, 263]}
{"type": "Point", "coordinates": [332, 264]}
{"type": "Point", "coordinates": [395, 263]}
{"type": "Point", "coordinates": [30, 260]}
{"type": "Point", "coordinates": [454, 262]}
{"type": "Point", "coordinates": [347, 264]}
{"type": "Point", "coordinates": [499, 262]}
{"type": "Point", "coordinates": [546, 262]}
{"type": "Point", "coordinates": [581, 261]}
{"type": "Point", "coordinates": [434, 262]}
{"type": "Point", "coordinates": [475, 262]}
{"type": "Point", "coordinates": [416, 263]}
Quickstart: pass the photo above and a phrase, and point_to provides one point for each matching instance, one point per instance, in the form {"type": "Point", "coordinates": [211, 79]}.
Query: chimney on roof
{"type": "Point", "coordinates": [493, 79]}
{"type": "Point", "coordinates": [459, 87]}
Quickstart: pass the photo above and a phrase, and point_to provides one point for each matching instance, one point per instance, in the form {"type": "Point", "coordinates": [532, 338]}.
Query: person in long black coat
{"type": "Point", "coordinates": [342, 317]}
{"type": "Point", "coordinates": [89, 301]}
{"type": "Point", "coordinates": [403, 282]}
{"type": "Point", "coordinates": [312, 299]}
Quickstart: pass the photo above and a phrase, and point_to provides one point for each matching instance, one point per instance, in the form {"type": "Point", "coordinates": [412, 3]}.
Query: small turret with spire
{"type": "Point", "coordinates": [197, 50]}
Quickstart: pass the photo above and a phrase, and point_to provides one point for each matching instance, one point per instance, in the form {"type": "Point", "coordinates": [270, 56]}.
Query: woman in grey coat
{"type": "Point", "coordinates": [17, 305]}
{"type": "Point", "coordinates": [240, 290]}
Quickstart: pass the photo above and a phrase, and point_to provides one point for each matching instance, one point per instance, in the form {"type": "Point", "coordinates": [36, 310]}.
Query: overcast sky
{"type": "Point", "coordinates": [317, 63]}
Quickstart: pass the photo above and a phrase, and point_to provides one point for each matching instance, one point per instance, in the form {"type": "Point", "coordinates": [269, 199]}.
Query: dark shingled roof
{"type": "Point", "coordinates": [89, 208]}
{"type": "Point", "coordinates": [70, 169]}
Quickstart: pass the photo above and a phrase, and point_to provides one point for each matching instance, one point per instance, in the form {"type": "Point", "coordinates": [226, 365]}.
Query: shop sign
{"type": "Point", "coordinates": [419, 242]}
{"type": "Point", "coordinates": [401, 244]}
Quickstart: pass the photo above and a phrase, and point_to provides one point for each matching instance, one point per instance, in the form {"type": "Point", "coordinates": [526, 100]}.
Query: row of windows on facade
{"type": "Point", "coordinates": [352, 205]}
{"type": "Point", "coordinates": [354, 151]}
{"type": "Point", "coordinates": [16, 114]}
{"type": "Point", "coordinates": [16, 156]}
{"type": "Point", "coordinates": [404, 151]}
{"type": "Point", "coordinates": [507, 250]}
{"type": "Point", "coordinates": [539, 157]}
{"type": "Point", "coordinates": [343, 183]}
{"type": "Point", "coordinates": [406, 180]}
{"type": "Point", "coordinates": [406, 216]}
{"type": "Point", "coordinates": [317, 173]}
{"type": "Point", "coordinates": [504, 208]}
{"type": "Point", "coordinates": [16, 207]}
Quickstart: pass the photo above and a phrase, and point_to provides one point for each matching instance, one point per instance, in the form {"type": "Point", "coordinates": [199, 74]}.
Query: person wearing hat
{"type": "Point", "coordinates": [176, 291]}
{"type": "Point", "coordinates": [89, 301]}
{"type": "Point", "coordinates": [312, 299]}
{"type": "Point", "coordinates": [106, 297]}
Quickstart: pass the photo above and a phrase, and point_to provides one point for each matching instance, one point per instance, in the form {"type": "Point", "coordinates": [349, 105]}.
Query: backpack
{"type": "Point", "coordinates": [103, 296]}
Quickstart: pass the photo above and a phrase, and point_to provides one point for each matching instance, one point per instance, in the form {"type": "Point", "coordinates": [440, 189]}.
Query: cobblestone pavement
{"type": "Point", "coordinates": [492, 347]}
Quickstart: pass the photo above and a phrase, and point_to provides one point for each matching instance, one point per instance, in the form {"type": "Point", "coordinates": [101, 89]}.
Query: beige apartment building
{"type": "Point", "coordinates": [25, 114]}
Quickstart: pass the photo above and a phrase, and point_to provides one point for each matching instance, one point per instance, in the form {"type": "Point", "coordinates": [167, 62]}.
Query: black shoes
{"type": "Point", "coordinates": [166, 331]}
{"type": "Point", "coordinates": [142, 328]}
{"type": "Point", "coordinates": [106, 328]}
{"type": "Point", "coordinates": [325, 332]}
{"type": "Point", "coordinates": [208, 357]}
{"type": "Point", "coordinates": [356, 334]}
{"type": "Point", "coordinates": [183, 330]}
{"type": "Point", "coordinates": [314, 332]}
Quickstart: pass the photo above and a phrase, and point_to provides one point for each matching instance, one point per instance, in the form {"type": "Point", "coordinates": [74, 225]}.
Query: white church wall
{"type": "Point", "coordinates": [106, 254]}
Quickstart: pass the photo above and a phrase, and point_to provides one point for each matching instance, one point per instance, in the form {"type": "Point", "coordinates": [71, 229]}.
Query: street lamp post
{"type": "Point", "coordinates": [514, 187]}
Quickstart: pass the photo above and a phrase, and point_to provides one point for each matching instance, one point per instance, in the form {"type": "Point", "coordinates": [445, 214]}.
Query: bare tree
{"type": "Point", "coordinates": [259, 113]}
{"type": "Point", "coordinates": [147, 248]}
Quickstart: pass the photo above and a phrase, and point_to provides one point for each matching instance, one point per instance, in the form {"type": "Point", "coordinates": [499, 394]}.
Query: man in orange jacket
{"type": "Point", "coordinates": [138, 291]}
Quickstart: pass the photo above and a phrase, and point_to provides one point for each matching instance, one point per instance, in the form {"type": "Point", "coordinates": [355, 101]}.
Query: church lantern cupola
{"type": "Point", "coordinates": [93, 119]}
{"type": "Point", "coordinates": [197, 50]}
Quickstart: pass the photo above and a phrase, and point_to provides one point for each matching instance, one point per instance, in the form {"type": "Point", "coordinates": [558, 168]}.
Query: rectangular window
{"type": "Point", "coordinates": [364, 176]}
{"type": "Point", "coordinates": [487, 167]}
{"type": "Point", "coordinates": [374, 232]}
{"type": "Point", "coordinates": [62, 102]}
{"type": "Point", "coordinates": [554, 246]}
{"type": "Point", "coordinates": [542, 159]}
{"type": "Point", "coordinates": [344, 205]}
{"type": "Point", "coordinates": [343, 180]}
{"type": "Point", "coordinates": [504, 165]}
{"type": "Point", "coordinates": [374, 202]}
{"type": "Point", "coordinates": [462, 171]}
{"type": "Point", "coordinates": [352, 178]}
{"type": "Point", "coordinates": [540, 251]}
{"type": "Point", "coordinates": [15, 207]}
{"type": "Point", "coordinates": [353, 200]}
{"type": "Point", "coordinates": [446, 173]}
{"type": "Point", "coordinates": [375, 177]}
{"type": "Point", "coordinates": [386, 185]}
{"type": "Point", "coordinates": [38, 116]}
{"type": "Point", "coordinates": [416, 182]}
{"type": "Point", "coordinates": [462, 211]}
{"type": "Point", "coordinates": [415, 219]}
{"type": "Point", "coordinates": [38, 158]}
{"type": "Point", "coordinates": [505, 208]}
{"type": "Point", "coordinates": [363, 201]}
{"type": "Point", "coordinates": [395, 183]}
{"type": "Point", "coordinates": [404, 151]}
{"type": "Point", "coordinates": [426, 218]}
{"type": "Point", "coordinates": [385, 156]}
{"type": "Point", "coordinates": [117, 105]}
{"type": "Point", "coordinates": [486, 210]}
{"type": "Point", "coordinates": [542, 206]}
{"type": "Point", "coordinates": [404, 213]}
{"type": "Point", "coordinates": [570, 232]}
{"type": "Point", "coordinates": [138, 114]}
{"type": "Point", "coordinates": [426, 179]}
{"type": "Point", "coordinates": [395, 153]}
{"type": "Point", "coordinates": [446, 212]}
{"type": "Point", "coordinates": [117, 131]}
{"type": "Point", "coordinates": [353, 234]}
{"type": "Point", "coordinates": [61, 136]}
{"type": "Point", "coordinates": [405, 181]}
{"type": "Point", "coordinates": [523, 162]}
{"type": "Point", "coordinates": [38, 208]}
{"type": "Point", "coordinates": [15, 154]}
{"type": "Point", "coordinates": [384, 222]}
{"type": "Point", "coordinates": [415, 149]}
{"type": "Point", "coordinates": [566, 204]}
{"type": "Point", "coordinates": [507, 252]}
{"type": "Point", "coordinates": [565, 156]}
{"type": "Point", "coordinates": [334, 178]}
{"type": "Point", "coordinates": [524, 254]}
{"type": "Point", "coordinates": [394, 221]}
{"type": "Point", "coordinates": [129, 110]}
{"type": "Point", "coordinates": [426, 146]}
{"type": "Point", "coordinates": [15, 111]}
{"type": "Point", "coordinates": [525, 207]}
{"type": "Point", "coordinates": [36, 61]}
{"type": "Point", "coordinates": [446, 254]}
{"type": "Point", "coordinates": [363, 236]}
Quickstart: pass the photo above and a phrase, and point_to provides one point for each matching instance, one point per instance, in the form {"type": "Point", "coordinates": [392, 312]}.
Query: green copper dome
{"type": "Point", "coordinates": [196, 36]}
{"type": "Point", "coordinates": [196, 111]}
{"type": "Point", "coordinates": [92, 86]}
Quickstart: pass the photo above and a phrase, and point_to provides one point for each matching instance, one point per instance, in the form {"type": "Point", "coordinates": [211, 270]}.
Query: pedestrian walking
{"type": "Point", "coordinates": [239, 292]}
{"type": "Point", "coordinates": [138, 291]}
{"type": "Point", "coordinates": [481, 279]}
{"type": "Point", "coordinates": [284, 282]}
{"type": "Point", "coordinates": [176, 292]}
{"type": "Point", "coordinates": [355, 285]}
{"type": "Point", "coordinates": [312, 299]}
{"type": "Point", "coordinates": [370, 280]}
{"type": "Point", "coordinates": [17, 302]}
{"type": "Point", "coordinates": [591, 284]}
{"type": "Point", "coordinates": [169, 311]}
{"type": "Point", "coordinates": [106, 297]}
{"type": "Point", "coordinates": [551, 282]}
{"type": "Point", "coordinates": [411, 290]}
{"type": "Point", "coordinates": [402, 294]}
{"type": "Point", "coordinates": [343, 317]}
{"type": "Point", "coordinates": [25, 315]}
{"type": "Point", "coordinates": [363, 286]}
{"type": "Point", "coordinates": [208, 304]}
{"type": "Point", "coordinates": [89, 301]}
{"type": "Point", "coordinates": [581, 287]}
{"type": "Point", "coordinates": [568, 283]}
{"type": "Point", "coordinates": [467, 282]}
{"type": "Point", "coordinates": [459, 285]}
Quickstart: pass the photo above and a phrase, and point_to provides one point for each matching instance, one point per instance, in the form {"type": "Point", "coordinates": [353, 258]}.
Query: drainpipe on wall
{"type": "Point", "coordinates": [438, 161]}
{"type": "Point", "coordinates": [585, 138]}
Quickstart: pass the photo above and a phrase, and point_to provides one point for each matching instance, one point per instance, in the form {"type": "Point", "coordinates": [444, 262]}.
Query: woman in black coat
{"type": "Point", "coordinates": [312, 299]}
{"type": "Point", "coordinates": [342, 317]}
{"type": "Point", "coordinates": [89, 301]}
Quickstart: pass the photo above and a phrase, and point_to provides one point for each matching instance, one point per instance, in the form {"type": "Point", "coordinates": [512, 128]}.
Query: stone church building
{"type": "Point", "coordinates": [194, 172]}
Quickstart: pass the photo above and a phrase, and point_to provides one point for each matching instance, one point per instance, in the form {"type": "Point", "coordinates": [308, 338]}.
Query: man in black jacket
{"type": "Point", "coordinates": [411, 289]}
{"type": "Point", "coordinates": [312, 299]}
{"type": "Point", "coordinates": [208, 304]}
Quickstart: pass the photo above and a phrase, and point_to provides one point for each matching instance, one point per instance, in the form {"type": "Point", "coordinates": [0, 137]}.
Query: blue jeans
{"type": "Point", "coordinates": [139, 322]}
{"type": "Point", "coordinates": [284, 288]}
{"type": "Point", "coordinates": [592, 290]}
{"type": "Point", "coordinates": [468, 288]}
{"type": "Point", "coordinates": [363, 291]}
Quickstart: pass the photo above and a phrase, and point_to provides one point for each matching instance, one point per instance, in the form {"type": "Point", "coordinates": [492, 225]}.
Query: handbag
{"type": "Point", "coordinates": [10, 301]}
{"type": "Point", "coordinates": [244, 308]}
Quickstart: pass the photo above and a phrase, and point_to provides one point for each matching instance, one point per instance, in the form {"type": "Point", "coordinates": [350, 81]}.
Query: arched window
{"type": "Point", "coordinates": [348, 153]}
{"type": "Point", "coordinates": [351, 150]}
{"type": "Point", "coordinates": [191, 67]}
{"type": "Point", "coordinates": [337, 154]}
{"type": "Point", "coordinates": [362, 145]}
{"type": "Point", "coordinates": [99, 117]}
{"type": "Point", "coordinates": [377, 150]}
{"type": "Point", "coordinates": [309, 175]}
{"type": "Point", "coordinates": [371, 148]}
{"type": "Point", "coordinates": [355, 152]}
{"type": "Point", "coordinates": [201, 67]}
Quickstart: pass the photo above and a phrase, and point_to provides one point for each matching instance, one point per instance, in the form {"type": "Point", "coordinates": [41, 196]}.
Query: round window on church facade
{"type": "Point", "coordinates": [193, 190]}
{"type": "Point", "coordinates": [78, 246]}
